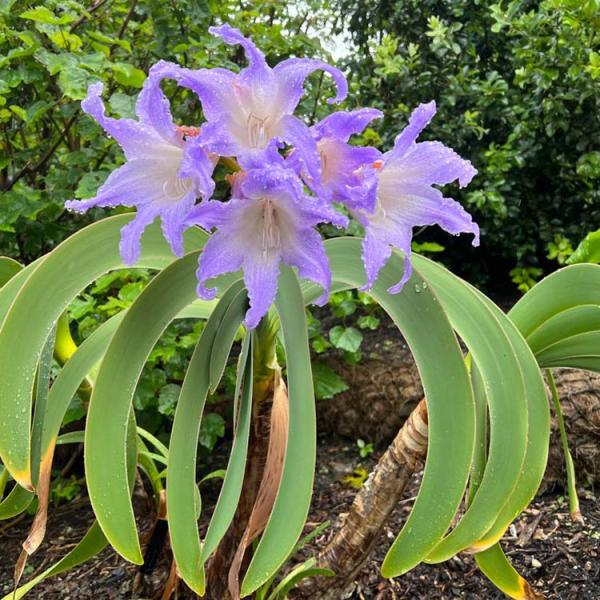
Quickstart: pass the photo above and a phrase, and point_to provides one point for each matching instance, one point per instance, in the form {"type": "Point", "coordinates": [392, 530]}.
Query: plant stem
{"type": "Point", "coordinates": [569, 465]}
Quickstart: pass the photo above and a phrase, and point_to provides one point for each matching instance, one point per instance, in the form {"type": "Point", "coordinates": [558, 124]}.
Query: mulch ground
{"type": "Point", "coordinates": [558, 557]}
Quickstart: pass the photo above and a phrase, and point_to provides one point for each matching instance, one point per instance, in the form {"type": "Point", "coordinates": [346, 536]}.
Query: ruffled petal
{"type": "Point", "coordinates": [131, 235]}
{"type": "Point", "coordinates": [307, 253]}
{"type": "Point", "coordinates": [342, 124]}
{"type": "Point", "coordinates": [220, 255]}
{"type": "Point", "coordinates": [261, 272]}
{"type": "Point", "coordinates": [210, 214]}
{"type": "Point", "coordinates": [292, 73]}
{"type": "Point", "coordinates": [433, 163]}
{"type": "Point", "coordinates": [297, 134]}
{"type": "Point", "coordinates": [214, 87]}
{"type": "Point", "coordinates": [137, 139]}
{"type": "Point", "coordinates": [129, 185]}
{"type": "Point", "coordinates": [174, 217]}
{"type": "Point", "coordinates": [378, 242]}
{"type": "Point", "coordinates": [418, 205]}
{"type": "Point", "coordinates": [375, 253]}
{"type": "Point", "coordinates": [257, 80]}
{"type": "Point", "coordinates": [152, 107]}
{"type": "Point", "coordinates": [198, 166]}
{"type": "Point", "coordinates": [419, 119]}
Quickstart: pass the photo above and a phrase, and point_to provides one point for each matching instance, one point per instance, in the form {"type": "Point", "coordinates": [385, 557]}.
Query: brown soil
{"type": "Point", "coordinates": [559, 557]}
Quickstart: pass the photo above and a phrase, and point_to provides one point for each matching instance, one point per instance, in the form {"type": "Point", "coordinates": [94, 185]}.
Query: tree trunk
{"type": "Point", "coordinates": [360, 529]}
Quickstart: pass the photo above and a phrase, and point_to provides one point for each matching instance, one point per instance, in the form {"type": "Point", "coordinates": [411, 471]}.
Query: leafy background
{"type": "Point", "coordinates": [516, 85]}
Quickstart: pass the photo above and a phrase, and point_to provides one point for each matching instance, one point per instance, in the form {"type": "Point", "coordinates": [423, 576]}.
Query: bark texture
{"type": "Point", "coordinates": [359, 530]}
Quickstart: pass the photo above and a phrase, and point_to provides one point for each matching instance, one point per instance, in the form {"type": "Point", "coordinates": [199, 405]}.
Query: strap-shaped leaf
{"type": "Point", "coordinates": [94, 541]}
{"type": "Point", "coordinates": [55, 281]}
{"type": "Point", "coordinates": [493, 354]}
{"type": "Point", "coordinates": [566, 352]}
{"type": "Point", "coordinates": [8, 269]}
{"type": "Point", "coordinates": [538, 431]}
{"type": "Point", "coordinates": [17, 501]}
{"type": "Point", "coordinates": [295, 488]}
{"type": "Point", "coordinates": [579, 319]}
{"type": "Point", "coordinates": [450, 404]}
{"type": "Point", "coordinates": [497, 568]}
{"type": "Point", "coordinates": [569, 287]}
{"type": "Point", "coordinates": [181, 469]}
{"type": "Point", "coordinates": [147, 318]}
{"type": "Point", "coordinates": [234, 476]}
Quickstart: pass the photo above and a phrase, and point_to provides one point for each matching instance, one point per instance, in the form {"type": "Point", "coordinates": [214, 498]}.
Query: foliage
{"type": "Point", "coordinates": [516, 83]}
{"type": "Point", "coordinates": [49, 151]}
{"type": "Point", "coordinates": [560, 329]}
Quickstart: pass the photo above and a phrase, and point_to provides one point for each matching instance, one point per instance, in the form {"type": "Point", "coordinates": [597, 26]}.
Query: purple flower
{"type": "Point", "coordinates": [346, 171]}
{"type": "Point", "coordinates": [405, 197]}
{"type": "Point", "coordinates": [269, 220]}
{"type": "Point", "coordinates": [164, 174]}
{"type": "Point", "coordinates": [245, 111]}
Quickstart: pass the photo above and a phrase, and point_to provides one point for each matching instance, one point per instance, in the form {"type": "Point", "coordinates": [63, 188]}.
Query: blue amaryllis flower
{"type": "Point", "coordinates": [405, 197]}
{"type": "Point", "coordinates": [164, 174]}
{"type": "Point", "coordinates": [269, 220]}
{"type": "Point", "coordinates": [245, 111]}
{"type": "Point", "coordinates": [345, 169]}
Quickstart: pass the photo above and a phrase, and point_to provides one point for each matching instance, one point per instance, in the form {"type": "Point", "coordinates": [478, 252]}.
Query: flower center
{"type": "Point", "coordinates": [271, 235]}
{"type": "Point", "coordinates": [257, 131]}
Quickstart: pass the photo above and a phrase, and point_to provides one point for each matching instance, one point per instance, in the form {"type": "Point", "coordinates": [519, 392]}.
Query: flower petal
{"type": "Point", "coordinates": [308, 254]}
{"type": "Point", "coordinates": [342, 124]}
{"type": "Point", "coordinates": [220, 255]}
{"type": "Point", "coordinates": [129, 185]}
{"type": "Point", "coordinates": [415, 204]}
{"type": "Point", "coordinates": [152, 107]}
{"type": "Point", "coordinates": [296, 133]}
{"type": "Point", "coordinates": [174, 217]}
{"type": "Point", "coordinates": [136, 139]}
{"type": "Point", "coordinates": [292, 73]}
{"type": "Point", "coordinates": [130, 245]}
{"type": "Point", "coordinates": [433, 163]}
{"type": "Point", "coordinates": [419, 119]}
{"type": "Point", "coordinates": [198, 166]}
{"type": "Point", "coordinates": [261, 273]}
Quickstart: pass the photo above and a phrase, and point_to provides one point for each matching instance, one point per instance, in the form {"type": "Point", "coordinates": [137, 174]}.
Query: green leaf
{"type": "Point", "coordinates": [212, 428]}
{"type": "Point", "coordinates": [588, 250]}
{"type": "Point", "coordinates": [58, 278]}
{"type": "Point", "coordinates": [232, 484]}
{"type": "Point", "coordinates": [128, 75]}
{"type": "Point", "coordinates": [182, 490]}
{"type": "Point", "coordinates": [345, 338]}
{"type": "Point", "coordinates": [167, 399]}
{"type": "Point", "coordinates": [8, 269]}
{"type": "Point", "coordinates": [287, 518]}
{"type": "Point", "coordinates": [451, 424]}
{"type": "Point", "coordinates": [41, 14]}
{"type": "Point", "coordinates": [326, 381]}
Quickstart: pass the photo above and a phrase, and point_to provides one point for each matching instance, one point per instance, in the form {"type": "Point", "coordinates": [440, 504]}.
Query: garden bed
{"type": "Point", "coordinates": [559, 557]}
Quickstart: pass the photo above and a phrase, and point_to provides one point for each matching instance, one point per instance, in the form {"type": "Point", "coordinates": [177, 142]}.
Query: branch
{"type": "Point", "coordinates": [86, 15]}
{"type": "Point", "coordinates": [29, 169]}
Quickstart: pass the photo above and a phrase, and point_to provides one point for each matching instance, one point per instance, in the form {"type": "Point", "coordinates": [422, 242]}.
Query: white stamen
{"type": "Point", "coordinates": [257, 131]}
{"type": "Point", "coordinates": [271, 236]}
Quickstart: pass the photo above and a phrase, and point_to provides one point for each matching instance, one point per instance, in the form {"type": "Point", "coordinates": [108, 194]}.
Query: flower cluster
{"type": "Point", "coordinates": [270, 217]}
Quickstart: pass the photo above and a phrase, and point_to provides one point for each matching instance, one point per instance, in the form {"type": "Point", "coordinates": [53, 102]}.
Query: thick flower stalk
{"type": "Point", "coordinates": [271, 218]}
